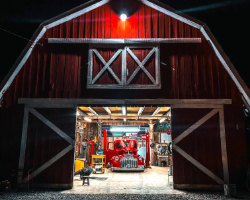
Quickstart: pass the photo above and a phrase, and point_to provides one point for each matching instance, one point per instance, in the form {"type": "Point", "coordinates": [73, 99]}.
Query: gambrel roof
{"type": "Point", "coordinates": [80, 10]}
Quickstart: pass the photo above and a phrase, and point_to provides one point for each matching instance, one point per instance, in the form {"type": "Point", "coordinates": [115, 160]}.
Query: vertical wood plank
{"type": "Point", "coordinates": [155, 21]}
{"type": "Point", "coordinates": [134, 20]}
{"type": "Point", "coordinates": [148, 24]}
{"type": "Point", "coordinates": [141, 22]}
{"type": "Point", "coordinates": [107, 33]}
{"type": "Point", "coordinates": [23, 145]}
{"type": "Point", "coordinates": [161, 25]}
{"type": "Point", "coordinates": [114, 25]}
{"type": "Point", "coordinates": [88, 17]}
{"type": "Point", "coordinates": [223, 147]}
{"type": "Point", "coordinates": [81, 26]}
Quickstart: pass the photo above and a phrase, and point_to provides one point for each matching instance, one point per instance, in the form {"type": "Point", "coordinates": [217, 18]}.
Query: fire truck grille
{"type": "Point", "coordinates": [128, 163]}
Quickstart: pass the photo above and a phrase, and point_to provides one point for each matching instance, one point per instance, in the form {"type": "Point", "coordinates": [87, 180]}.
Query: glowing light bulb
{"type": "Point", "coordinates": [87, 119]}
{"type": "Point", "coordinates": [123, 17]}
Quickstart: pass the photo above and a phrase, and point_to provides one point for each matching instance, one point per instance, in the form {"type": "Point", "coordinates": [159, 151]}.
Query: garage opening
{"type": "Point", "coordinates": [111, 144]}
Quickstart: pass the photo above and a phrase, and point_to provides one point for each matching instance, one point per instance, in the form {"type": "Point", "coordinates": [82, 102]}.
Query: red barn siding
{"type": "Point", "coordinates": [60, 71]}
{"type": "Point", "coordinates": [189, 71]}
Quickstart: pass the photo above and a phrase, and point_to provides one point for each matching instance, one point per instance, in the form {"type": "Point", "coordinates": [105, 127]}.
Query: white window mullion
{"type": "Point", "coordinates": [124, 66]}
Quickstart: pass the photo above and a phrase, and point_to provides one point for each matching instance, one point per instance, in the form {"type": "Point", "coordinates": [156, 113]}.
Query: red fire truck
{"type": "Point", "coordinates": [123, 157]}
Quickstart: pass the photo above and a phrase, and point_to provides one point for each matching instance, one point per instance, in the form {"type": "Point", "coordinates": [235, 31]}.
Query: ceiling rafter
{"type": "Point", "coordinates": [157, 110]}
{"type": "Point", "coordinates": [107, 110]}
{"type": "Point", "coordinates": [140, 111]}
{"type": "Point", "coordinates": [124, 111]}
{"type": "Point", "coordinates": [82, 112]}
{"type": "Point", "coordinates": [92, 111]}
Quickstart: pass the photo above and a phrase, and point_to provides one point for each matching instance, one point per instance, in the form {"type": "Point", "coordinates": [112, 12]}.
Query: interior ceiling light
{"type": "Point", "coordinates": [123, 110]}
{"type": "Point", "coordinates": [123, 17]}
{"type": "Point", "coordinates": [87, 119]}
{"type": "Point", "coordinates": [162, 120]}
{"type": "Point", "coordinates": [125, 129]}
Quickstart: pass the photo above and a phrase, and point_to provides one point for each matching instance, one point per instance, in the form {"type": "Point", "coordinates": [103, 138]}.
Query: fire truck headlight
{"type": "Point", "coordinates": [116, 158]}
{"type": "Point", "coordinates": [140, 158]}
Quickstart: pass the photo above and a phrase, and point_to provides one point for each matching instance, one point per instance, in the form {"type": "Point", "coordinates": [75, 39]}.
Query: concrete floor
{"type": "Point", "coordinates": [151, 181]}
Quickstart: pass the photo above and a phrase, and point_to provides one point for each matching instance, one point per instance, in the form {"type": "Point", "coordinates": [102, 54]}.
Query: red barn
{"type": "Point", "coordinates": [157, 57]}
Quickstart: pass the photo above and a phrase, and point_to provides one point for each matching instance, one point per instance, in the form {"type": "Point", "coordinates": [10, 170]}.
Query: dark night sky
{"type": "Point", "coordinates": [228, 21]}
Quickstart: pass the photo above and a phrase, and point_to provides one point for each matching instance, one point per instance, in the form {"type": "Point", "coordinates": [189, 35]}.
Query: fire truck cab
{"type": "Point", "coordinates": [123, 157]}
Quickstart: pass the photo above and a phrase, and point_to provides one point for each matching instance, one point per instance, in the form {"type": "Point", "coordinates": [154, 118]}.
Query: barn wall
{"type": "Point", "coordinates": [188, 71]}
{"type": "Point", "coordinates": [43, 144]}
{"type": "Point", "coordinates": [236, 145]}
{"type": "Point", "coordinates": [60, 71]}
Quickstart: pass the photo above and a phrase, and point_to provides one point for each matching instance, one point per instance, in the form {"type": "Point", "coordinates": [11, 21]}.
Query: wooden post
{"type": "Point", "coordinates": [23, 145]}
{"type": "Point", "coordinates": [151, 132]}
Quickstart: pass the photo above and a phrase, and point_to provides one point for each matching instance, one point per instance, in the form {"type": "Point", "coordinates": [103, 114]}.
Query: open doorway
{"type": "Point", "coordinates": [122, 123]}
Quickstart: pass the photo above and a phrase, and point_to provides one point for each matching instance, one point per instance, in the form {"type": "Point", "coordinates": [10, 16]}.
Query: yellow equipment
{"type": "Point", "coordinates": [95, 163]}
{"type": "Point", "coordinates": [79, 164]}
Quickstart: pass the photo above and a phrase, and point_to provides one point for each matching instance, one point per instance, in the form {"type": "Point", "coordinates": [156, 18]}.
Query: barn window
{"type": "Point", "coordinates": [123, 67]}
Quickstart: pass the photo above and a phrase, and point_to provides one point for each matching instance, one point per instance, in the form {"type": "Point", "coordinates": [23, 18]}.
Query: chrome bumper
{"type": "Point", "coordinates": [128, 169]}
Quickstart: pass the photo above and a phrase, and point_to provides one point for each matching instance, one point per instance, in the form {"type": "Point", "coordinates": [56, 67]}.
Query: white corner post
{"type": "Point", "coordinates": [23, 145]}
{"type": "Point", "coordinates": [151, 133]}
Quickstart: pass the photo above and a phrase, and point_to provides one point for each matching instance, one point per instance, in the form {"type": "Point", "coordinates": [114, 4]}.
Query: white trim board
{"type": "Point", "coordinates": [231, 70]}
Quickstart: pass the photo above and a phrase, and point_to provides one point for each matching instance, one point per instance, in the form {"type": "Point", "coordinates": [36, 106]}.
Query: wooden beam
{"type": "Point", "coordinates": [143, 63]}
{"type": "Point", "coordinates": [129, 87]}
{"type": "Point", "coordinates": [223, 147]}
{"type": "Point", "coordinates": [114, 121]}
{"type": "Point", "coordinates": [197, 164]}
{"type": "Point", "coordinates": [52, 126]}
{"type": "Point", "coordinates": [82, 112]}
{"type": "Point", "coordinates": [122, 41]}
{"type": "Point", "coordinates": [50, 103]}
{"type": "Point", "coordinates": [157, 110]}
{"type": "Point", "coordinates": [23, 145]}
{"type": "Point", "coordinates": [197, 106]}
{"type": "Point", "coordinates": [122, 117]}
{"type": "Point", "coordinates": [92, 111]}
{"type": "Point", "coordinates": [195, 126]}
{"type": "Point", "coordinates": [107, 66]}
{"type": "Point", "coordinates": [48, 163]}
{"type": "Point", "coordinates": [140, 111]}
{"type": "Point", "coordinates": [107, 110]}
{"type": "Point", "coordinates": [124, 111]}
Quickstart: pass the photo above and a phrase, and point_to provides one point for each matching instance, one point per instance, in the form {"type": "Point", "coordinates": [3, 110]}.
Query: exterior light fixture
{"type": "Point", "coordinates": [124, 119]}
{"type": "Point", "coordinates": [162, 120]}
{"type": "Point", "coordinates": [124, 110]}
{"type": "Point", "coordinates": [87, 119]}
{"type": "Point", "coordinates": [123, 17]}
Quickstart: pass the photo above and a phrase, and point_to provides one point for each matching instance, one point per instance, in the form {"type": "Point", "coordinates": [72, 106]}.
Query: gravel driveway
{"type": "Point", "coordinates": [38, 194]}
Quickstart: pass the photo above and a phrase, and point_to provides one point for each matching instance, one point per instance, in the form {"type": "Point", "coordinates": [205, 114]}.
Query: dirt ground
{"type": "Point", "coordinates": [151, 181]}
{"type": "Point", "coordinates": [149, 185]}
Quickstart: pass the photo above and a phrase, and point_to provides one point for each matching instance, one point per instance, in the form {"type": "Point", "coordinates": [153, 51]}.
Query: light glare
{"type": "Point", "coordinates": [87, 119]}
{"type": "Point", "coordinates": [162, 120]}
{"type": "Point", "coordinates": [123, 110]}
{"type": "Point", "coordinates": [123, 17]}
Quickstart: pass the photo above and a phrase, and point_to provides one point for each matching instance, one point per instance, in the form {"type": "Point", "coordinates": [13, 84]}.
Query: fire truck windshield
{"type": "Point", "coordinates": [122, 144]}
